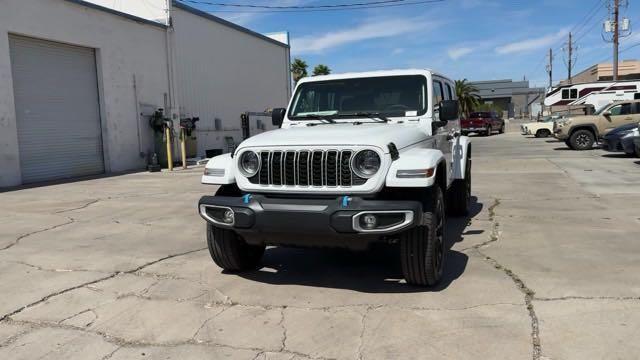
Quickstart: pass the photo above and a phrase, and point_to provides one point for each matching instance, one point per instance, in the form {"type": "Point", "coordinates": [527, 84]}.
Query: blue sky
{"type": "Point", "coordinates": [474, 39]}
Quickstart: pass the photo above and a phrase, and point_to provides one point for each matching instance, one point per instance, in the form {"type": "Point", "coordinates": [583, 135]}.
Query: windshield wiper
{"type": "Point", "coordinates": [370, 115]}
{"type": "Point", "coordinates": [326, 118]}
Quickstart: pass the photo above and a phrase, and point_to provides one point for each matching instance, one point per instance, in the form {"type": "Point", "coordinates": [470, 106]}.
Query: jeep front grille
{"type": "Point", "coordinates": [318, 168]}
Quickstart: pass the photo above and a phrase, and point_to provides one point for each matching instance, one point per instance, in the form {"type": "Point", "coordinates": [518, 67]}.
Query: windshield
{"type": "Point", "coordinates": [601, 109]}
{"type": "Point", "coordinates": [398, 95]}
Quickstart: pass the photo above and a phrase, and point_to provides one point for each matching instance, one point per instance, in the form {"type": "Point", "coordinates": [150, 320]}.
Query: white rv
{"type": "Point", "coordinates": [597, 94]}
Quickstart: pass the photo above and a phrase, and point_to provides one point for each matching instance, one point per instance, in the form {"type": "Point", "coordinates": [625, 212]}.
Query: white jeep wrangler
{"type": "Point", "coordinates": [359, 158]}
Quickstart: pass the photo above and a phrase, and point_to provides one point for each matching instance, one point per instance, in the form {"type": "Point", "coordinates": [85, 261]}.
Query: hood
{"type": "Point", "coordinates": [584, 119]}
{"type": "Point", "coordinates": [341, 134]}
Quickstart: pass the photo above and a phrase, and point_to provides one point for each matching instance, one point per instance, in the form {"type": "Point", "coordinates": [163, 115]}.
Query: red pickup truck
{"type": "Point", "coordinates": [483, 123]}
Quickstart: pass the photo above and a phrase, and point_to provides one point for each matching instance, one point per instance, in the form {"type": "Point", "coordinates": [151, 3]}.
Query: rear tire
{"type": "Point", "coordinates": [543, 133]}
{"type": "Point", "coordinates": [422, 248]}
{"type": "Point", "coordinates": [582, 140]}
{"type": "Point", "coordinates": [230, 252]}
{"type": "Point", "coordinates": [488, 131]}
{"type": "Point", "coordinates": [459, 194]}
{"type": "Point", "coordinates": [501, 131]}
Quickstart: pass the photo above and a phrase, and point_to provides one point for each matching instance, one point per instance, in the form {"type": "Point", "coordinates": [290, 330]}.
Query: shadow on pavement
{"type": "Point", "coordinates": [376, 270]}
{"type": "Point", "coordinates": [621, 155]}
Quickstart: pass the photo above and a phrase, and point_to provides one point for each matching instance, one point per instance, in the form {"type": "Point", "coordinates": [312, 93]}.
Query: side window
{"type": "Point", "coordinates": [438, 94]}
{"type": "Point", "coordinates": [569, 94]}
{"type": "Point", "coordinates": [615, 110]}
{"type": "Point", "coordinates": [636, 108]}
{"type": "Point", "coordinates": [626, 109]}
{"type": "Point", "coordinates": [574, 93]}
{"type": "Point", "coordinates": [565, 94]}
{"type": "Point", "coordinates": [449, 93]}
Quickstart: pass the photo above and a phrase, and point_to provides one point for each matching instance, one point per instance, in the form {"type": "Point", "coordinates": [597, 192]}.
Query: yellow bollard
{"type": "Point", "coordinates": [183, 147]}
{"type": "Point", "coordinates": [167, 133]}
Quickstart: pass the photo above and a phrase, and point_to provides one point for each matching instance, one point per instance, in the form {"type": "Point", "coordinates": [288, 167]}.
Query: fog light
{"type": "Point", "coordinates": [228, 217]}
{"type": "Point", "coordinates": [370, 221]}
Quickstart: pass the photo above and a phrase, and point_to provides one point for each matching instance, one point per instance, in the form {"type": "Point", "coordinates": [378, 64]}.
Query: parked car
{"type": "Point", "coordinates": [484, 122]}
{"type": "Point", "coordinates": [542, 128]}
{"type": "Point", "coordinates": [620, 139]}
{"type": "Point", "coordinates": [581, 132]}
{"type": "Point", "coordinates": [359, 158]}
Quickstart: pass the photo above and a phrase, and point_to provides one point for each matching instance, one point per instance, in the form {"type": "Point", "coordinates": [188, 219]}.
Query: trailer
{"type": "Point", "coordinates": [596, 94]}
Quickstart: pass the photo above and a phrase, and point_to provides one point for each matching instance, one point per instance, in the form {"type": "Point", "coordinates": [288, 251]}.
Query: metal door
{"type": "Point", "coordinates": [57, 109]}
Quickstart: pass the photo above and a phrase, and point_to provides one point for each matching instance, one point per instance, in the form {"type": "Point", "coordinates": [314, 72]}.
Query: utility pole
{"type": "Point", "coordinates": [569, 60]}
{"type": "Point", "coordinates": [616, 37]}
{"type": "Point", "coordinates": [550, 68]}
{"type": "Point", "coordinates": [618, 29]}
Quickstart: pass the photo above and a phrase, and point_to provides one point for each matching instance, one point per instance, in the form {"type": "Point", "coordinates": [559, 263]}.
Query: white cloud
{"type": "Point", "coordinates": [456, 53]}
{"type": "Point", "coordinates": [397, 51]}
{"type": "Point", "coordinates": [532, 43]}
{"type": "Point", "coordinates": [378, 29]}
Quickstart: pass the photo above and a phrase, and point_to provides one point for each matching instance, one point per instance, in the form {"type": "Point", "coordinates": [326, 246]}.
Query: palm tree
{"type": "Point", "coordinates": [468, 99]}
{"type": "Point", "coordinates": [321, 69]}
{"type": "Point", "coordinates": [298, 69]}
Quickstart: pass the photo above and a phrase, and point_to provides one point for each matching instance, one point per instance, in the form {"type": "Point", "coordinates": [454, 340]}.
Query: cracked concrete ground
{"type": "Point", "coordinates": [116, 268]}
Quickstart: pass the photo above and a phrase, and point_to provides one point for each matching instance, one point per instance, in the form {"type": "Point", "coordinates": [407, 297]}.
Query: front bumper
{"type": "Point", "coordinates": [310, 222]}
{"type": "Point", "coordinates": [558, 134]}
{"type": "Point", "coordinates": [612, 144]}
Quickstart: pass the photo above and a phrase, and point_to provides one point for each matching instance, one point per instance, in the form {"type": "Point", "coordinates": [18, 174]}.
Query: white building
{"type": "Point", "coordinates": [74, 77]}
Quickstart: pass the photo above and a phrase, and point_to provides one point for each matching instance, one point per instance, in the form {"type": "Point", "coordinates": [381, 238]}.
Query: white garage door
{"type": "Point", "coordinates": [57, 109]}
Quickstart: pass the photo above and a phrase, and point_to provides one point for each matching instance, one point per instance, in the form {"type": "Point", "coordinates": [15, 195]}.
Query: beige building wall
{"type": "Point", "coordinates": [627, 70]}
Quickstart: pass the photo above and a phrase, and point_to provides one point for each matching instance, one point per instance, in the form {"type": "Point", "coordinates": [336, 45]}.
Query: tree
{"type": "Point", "coordinates": [298, 69]}
{"type": "Point", "coordinates": [468, 99]}
{"type": "Point", "coordinates": [321, 69]}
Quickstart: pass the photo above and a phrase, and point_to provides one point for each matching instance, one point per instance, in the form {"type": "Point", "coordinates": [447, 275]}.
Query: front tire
{"type": "Point", "coordinates": [459, 194]}
{"type": "Point", "coordinates": [543, 133]}
{"type": "Point", "coordinates": [488, 131]}
{"type": "Point", "coordinates": [422, 248]}
{"type": "Point", "coordinates": [230, 252]}
{"type": "Point", "coordinates": [582, 140]}
{"type": "Point", "coordinates": [501, 131]}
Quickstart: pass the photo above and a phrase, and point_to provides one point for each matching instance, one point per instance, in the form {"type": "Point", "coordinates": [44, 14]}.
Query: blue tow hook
{"type": "Point", "coordinates": [345, 201]}
{"type": "Point", "coordinates": [246, 198]}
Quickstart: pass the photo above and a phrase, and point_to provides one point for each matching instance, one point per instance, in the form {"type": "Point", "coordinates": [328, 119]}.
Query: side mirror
{"type": "Point", "coordinates": [606, 113]}
{"type": "Point", "coordinates": [277, 116]}
{"type": "Point", "coordinates": [448, 110]}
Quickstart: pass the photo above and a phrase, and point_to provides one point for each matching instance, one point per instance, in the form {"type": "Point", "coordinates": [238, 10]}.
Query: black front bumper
{"type": "Point", "coordinates": [308, 222]}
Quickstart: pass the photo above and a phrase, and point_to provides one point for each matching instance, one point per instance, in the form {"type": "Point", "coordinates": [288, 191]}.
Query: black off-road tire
{"type": "Point", "coordinates": [543, 133]}
{"type": "Point", "coordinates": [568, 143]}
{"type": "Point", "coordinates": [459, 194]}
{"type": "Point", "coordinates": [582, 139]}
{"type": "Point", "coordinates": [422, 248]}
{"type": "Point", "coordinates": [230, 252]}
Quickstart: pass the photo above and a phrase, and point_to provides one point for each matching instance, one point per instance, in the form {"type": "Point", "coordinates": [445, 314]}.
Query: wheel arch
{"type": "Point", "coordinates": [591, 127]}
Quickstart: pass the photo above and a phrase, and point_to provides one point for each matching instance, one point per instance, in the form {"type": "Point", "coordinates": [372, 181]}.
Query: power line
{"type": "Point", "coordinates": [293, 10]}
{"type": "Point", "coordinates": [575, 29]}
{"type": "Point", "coordinates": [283, 7]}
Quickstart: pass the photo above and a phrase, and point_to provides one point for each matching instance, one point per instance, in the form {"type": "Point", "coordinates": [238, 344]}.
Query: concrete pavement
{"type": "Point", "coordinates": [116, 268]}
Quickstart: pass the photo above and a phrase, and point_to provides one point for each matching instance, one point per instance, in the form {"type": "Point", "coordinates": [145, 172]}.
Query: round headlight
{"type": "Point", "coordinates": [366, 163]}
{"type": "Point", "coordinates": [249, 163]}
